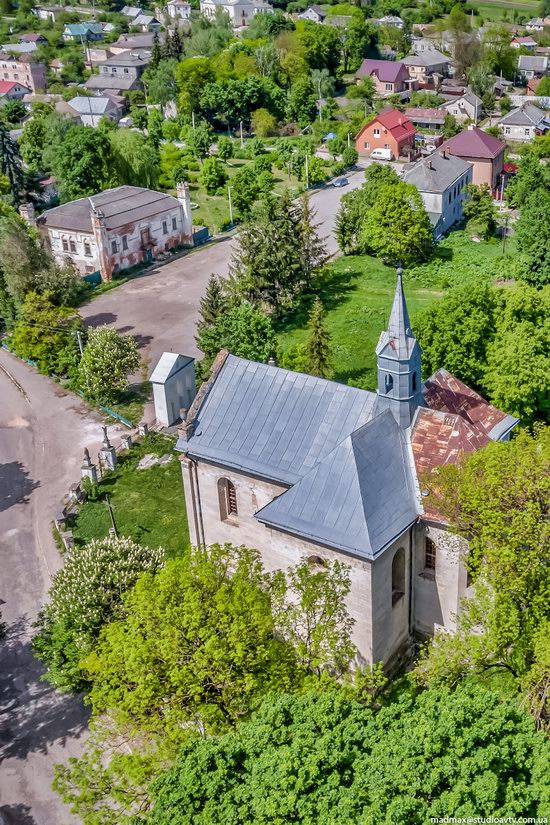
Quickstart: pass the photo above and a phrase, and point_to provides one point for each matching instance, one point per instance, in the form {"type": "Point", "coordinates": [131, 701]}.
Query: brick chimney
{"type": "Point", "coordinates": [102, 241]}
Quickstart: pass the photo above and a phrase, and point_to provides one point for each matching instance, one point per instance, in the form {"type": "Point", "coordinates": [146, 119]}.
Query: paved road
{"type": "Point", "coordinates": [161, 308]}
{"type": "Point", "coordinates": [42, 437]}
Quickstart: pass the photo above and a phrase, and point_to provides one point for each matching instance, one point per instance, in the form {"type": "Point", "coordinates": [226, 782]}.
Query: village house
{"type": "Point", "coordinates": [313, 13]}
{"type": "Point", "coordinates": [425, 66]}
{"type": "Point", "coordinates": [526, 42]}
{"type": "Point", "coordinates": [240, 12]}
{"type": "Point", "coordinates": [83, 32]}
{"type": "Point", "coordinates": [118, 228]}
{"type": "Point", "coordinates": [11, 90]}
{"type": "Point", "coordinates": [466, 107]}
{"type": "Point", "coordinates": [426, 118]}
{"type": "Point", "coordinates": [146, 23]}
{"type": "Point", "coordinates": [390, 76]}
{"type": "Point", "coordinates": [33, 37]}
{"type": "Point", "coordinates": [524, 123]}
{"type": "Point", "coordinates": [91, 110]}
{"type": "Point", "coordinates": [18, 48]}
{"type": "Point", "coordinates": [303, 468]}
{"type": "Point", "coordinates": [48, 12]}
{"type": "Point", "coordinates": [391, 20]}
{"type": "Point", "coordinates": [532, 65]}
{"type": "Point", "coordinates": [135, 43]}
{"type": "Point", "coordinates": [23, 69]}
{"type": "Point", "coordinates": [178, 10]}
{"type": "Point", "coordinates": [484, 151]}
{"type": "Point", "coordinates": [391, 130]}
{"type": "Point", "coordinates": [441, 180]}
{"type": "Point", "coordinates": [537, 24]}
{"type": "Point", "coordinates": [120, 73]}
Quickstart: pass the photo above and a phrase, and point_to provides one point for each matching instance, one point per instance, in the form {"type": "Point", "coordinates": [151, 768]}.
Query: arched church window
{"type": "Point", "coordinates": [227, 496]}
{"type": "Point", "coordinates": [388, 382]}
{"type": "Point", "coordinates": [398, 576]}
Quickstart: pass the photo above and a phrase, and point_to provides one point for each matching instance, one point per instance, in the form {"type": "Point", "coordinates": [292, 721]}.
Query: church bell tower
{"type": "Point", "coordinates": [399, 361]}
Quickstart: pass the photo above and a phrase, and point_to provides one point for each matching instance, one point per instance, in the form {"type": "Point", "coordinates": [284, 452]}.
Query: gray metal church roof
{"type": "Point", "coordinates": [272, 422]}
{"type": "Point", "coordinates": [359, 498]}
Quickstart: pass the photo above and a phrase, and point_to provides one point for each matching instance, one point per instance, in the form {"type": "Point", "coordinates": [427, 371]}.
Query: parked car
{"type": "Point", "coordinates": [340, 182]}
{"type": "Point", "coordinates": [381, 154]}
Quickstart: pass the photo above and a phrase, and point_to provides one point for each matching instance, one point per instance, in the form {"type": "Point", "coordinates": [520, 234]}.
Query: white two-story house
{"type": "Point", "coordinates": [441, 180]}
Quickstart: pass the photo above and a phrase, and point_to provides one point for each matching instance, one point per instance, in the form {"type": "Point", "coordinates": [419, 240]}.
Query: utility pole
{"type": "Point", "coordinates": [349, 142]}
{"type": "Point", "coordinates": [241, 128]}
{"type": "Point", "coordinates": [504, 235]}
{"type": "Point", "coordinates": [79, 339]}
{"type": "Point", "coordinates": [307, 173]}
{"type": "Point", "coordinates": [230, 205]}
{"type": "Point", "coordinates": [320, 103]}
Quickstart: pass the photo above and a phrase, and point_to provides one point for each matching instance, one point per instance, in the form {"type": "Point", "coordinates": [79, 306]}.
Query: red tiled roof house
{"type": "Point", "coordinates": [389, 130]}
{"type": "Point", "coordinates": [484, 151]}
{"type": "Point", "coordinates": [390, 76]}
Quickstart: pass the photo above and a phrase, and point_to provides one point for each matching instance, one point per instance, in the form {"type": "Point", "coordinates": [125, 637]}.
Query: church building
{"type": "Point", "coordinates": [301, 467]}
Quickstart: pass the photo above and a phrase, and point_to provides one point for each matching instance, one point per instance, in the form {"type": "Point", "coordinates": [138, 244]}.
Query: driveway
{"type": "Point", "coordinates": [43, 432]}
{"type": "Point", "coordinates": [161, 307]}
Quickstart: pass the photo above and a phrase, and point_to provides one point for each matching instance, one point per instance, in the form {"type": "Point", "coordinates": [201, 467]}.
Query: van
{"type": "Point", "coordinates": [381, 154]}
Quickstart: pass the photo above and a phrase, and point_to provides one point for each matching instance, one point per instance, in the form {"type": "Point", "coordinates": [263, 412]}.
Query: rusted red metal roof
{"type": "Point", "coordinates": [446, 393]}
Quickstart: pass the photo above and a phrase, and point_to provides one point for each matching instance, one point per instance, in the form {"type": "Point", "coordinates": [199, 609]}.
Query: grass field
{"type": "Point", "coordinates": [148, 505]}
{"type": "Point", "coordinates": [357, 293]}
{"type": "Point", "coordinates": [498, 10]}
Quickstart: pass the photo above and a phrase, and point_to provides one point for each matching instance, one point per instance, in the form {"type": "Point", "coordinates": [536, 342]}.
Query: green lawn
{"type": "Point", "coordinates": [148, 505]}
{"type": "Point", "coordinates": [357, 293]}
{"type": "Point", "coordinates": [498, 10]}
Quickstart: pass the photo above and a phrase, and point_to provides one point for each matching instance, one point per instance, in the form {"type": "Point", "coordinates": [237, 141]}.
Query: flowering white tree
{"type": "Point", "coordinates": [107, 361]}
{"type": "Point", "coordinates": [86, 594]}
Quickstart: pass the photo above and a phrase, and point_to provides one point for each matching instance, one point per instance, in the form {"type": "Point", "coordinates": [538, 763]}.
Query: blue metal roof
{"type": "Point", "coordinates": [272, 422]}
{"type": "Point", "coordinates": [359, 498]}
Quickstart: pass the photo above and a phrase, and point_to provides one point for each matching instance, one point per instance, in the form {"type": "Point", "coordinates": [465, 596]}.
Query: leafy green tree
{"type": "Point", "coordinates": [227, 102]}
{"type": "Point", "coordinates": [31, 144]}
{"type": "Point", "coordinates": [161, 83]}
{"type": "Point", "coordinates": [497, 498]}
{"type": "Point", "coordinates": [363, 90]}
{"type": "Point", "coordinates": [531, 176]}
{"type": "Point", "coordinates": [10, 163]}
{"type": "Point", "coordinates": [451, 127]}
{"type": "Point", "coordinates": [518, 355]}
{"type": "Point", "coordinates": [455, 331]}
{"type": "Point", "coordinates": [213, 175]}
{"type": "Point", "coordinates": [355, 205]}
{"type": "Point", "coordinates": [505, 104]}
{"type": "Point", "coordinates": [480, 210]}
{"type": "Point", "coordinates": [321, 45]}
{"type": "Point", "coordinates": [200, 140]}
{"type": "Point", "coordinates": [45, 333]}
{"type": "Point", "coordinates": [244, 190]}
{"type": "Point", "coordinates": [196, 645]}
{"type": "Point", "coordinates": [135, 160]}
{"type": "Point", "coordinates": [107, 361]}
{"type": "Point", "coordinates": [83, 163]}
{"type": "Point", "coordinates": [192, 75]}
{"type": "Point", "coordinates": [499, 54]}
{"type": "Point", "coordinates": [13, 112]}
{"type": "Point", "coordinates": [350, 156]}
{"type": "Point", "coordinates": [543, 89]}
{"type": "Point", "coordinates": [533, 233]}
{"type": "Point", "coordinates": [427, 100]}
{"type": "Point", "coordinates": [242, 330]}
{"type": "Point", "coordinates": [225, 148]}
{"type": "Point", "coordinates": [302, 102]}
{"type": "Point", "coordinates": [318, 355]}
{"type": "Point", "coordinates": [481, 79]}
{"type": "Point", "coordinates": [397, 227]}
{"type": "Point", "coordinates": [265, 25]}
{"type": "Point", "coordinates": [263, 123]}
{"type": "Point", "coordinates": [311, 614]}
{"type": "Point", "coordinates": [84, 596]}
{"type": "Point", "coordinates": [154, 127]}
{"type": "Point", "coordinates": [22, 257]}
{"type": "Point", "coordinates": [323, 757]}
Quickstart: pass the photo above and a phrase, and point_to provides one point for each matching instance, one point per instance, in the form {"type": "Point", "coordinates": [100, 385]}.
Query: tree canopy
{"type": "Point", "coordinates": [326, 758]}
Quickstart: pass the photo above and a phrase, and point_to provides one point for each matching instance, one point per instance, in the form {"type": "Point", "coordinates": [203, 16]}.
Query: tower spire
{"type": "Point", "coordinates": [399, 360]}
{"type": "Point", "coordinates": [399, 325]}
